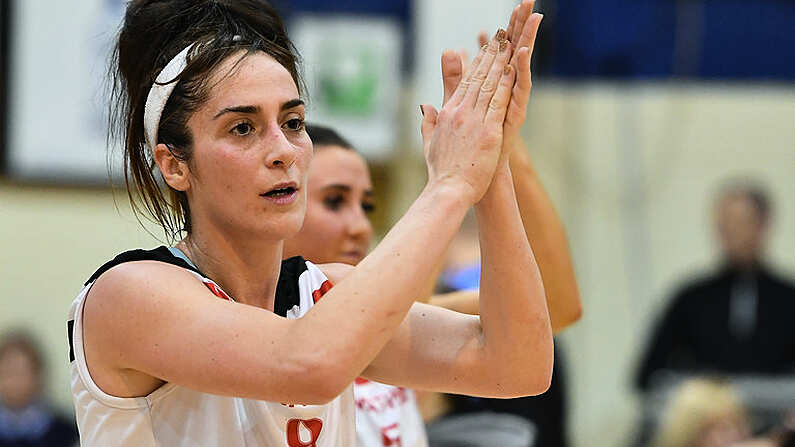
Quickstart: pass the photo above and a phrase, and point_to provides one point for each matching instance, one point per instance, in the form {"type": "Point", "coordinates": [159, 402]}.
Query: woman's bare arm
{"type": "Point", "coordinates": [463, 301]}
{"type": "Point", "coordinates": [547, 236]}
{"type": "Point", "coordinates": [507, 351]}
{"type": "Point", "coordinates": [541, 222]}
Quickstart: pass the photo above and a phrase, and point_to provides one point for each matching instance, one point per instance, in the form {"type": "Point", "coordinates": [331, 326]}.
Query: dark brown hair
{"type": "Point", "coordinates": [752, 190]}
{"type": "Point", "coordinates": [326, 136]}
{"type": "Point", "coordinates": [153, 32]}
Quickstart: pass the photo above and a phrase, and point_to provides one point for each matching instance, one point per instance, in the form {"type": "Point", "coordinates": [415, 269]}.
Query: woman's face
{"type": "Point", "coordinates": [251, 153]}
{"type": "Point", "coordinates": [337, 226]}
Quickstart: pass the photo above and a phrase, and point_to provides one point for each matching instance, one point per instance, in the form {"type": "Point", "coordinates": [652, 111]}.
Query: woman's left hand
{"type": "Point", "coordinates": [522, 32]}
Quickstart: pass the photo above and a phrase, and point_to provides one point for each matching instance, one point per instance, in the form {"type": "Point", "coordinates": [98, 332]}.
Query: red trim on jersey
{"type": "Point", "coordinates": [314, 426]}
{"type": "Point", "coordinates": [216, 290]}
{"type": "Point", "coordinates": [325, 287]}
{"type": "Point", "coordinates": [390, 435]}
{"type": "Point", "coordinates": [361, 381]}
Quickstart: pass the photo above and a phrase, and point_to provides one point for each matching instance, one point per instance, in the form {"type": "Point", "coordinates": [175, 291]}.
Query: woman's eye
{"type": "Point", "coordinates": [333, 202]}
{"type": "Point", "coordinates": [242, 129]}
{"type": "Point", "coordinates": [368, 208]}
{"type": "Point", "coordinates": [295, 124]}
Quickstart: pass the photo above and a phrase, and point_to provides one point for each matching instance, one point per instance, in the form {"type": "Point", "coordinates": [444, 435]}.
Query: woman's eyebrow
{"type": "Point", "coordinates": [238, 109]}
{"type": "Point", "coordinates": [346, 188]}
{"type": "Point", "coordinates": [337, 186]}
{"type": "Point", "coordinates": [292, 103]}
{"type": "Point", "coordinates": [255, 109]}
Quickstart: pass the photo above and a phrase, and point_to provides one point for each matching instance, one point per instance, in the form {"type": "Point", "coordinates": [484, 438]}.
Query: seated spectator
{"type": "Point", "coordinates": [25, 418]}
{"type": "Point", "coordinates": [737, 320]}
{"type": "Point", "coordinates": [703, 413]}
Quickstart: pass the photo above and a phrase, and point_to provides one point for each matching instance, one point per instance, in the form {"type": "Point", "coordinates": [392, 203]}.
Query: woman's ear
{"type": "Point", "coordinates": [175, 171]}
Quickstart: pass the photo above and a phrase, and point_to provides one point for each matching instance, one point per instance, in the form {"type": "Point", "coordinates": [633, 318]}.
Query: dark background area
{"type": "Point", "coordinates": [5, 10]}
{"type": "Point", "coordinates": [637, 39]}
{"type": "Point", "coordinates": [707, 39]}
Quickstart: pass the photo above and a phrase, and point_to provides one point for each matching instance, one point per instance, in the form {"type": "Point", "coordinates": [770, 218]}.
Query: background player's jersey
{"type": "Point", "coordinates": [176, 416]}
{"type": "Point", "coordinates": [387, 415]}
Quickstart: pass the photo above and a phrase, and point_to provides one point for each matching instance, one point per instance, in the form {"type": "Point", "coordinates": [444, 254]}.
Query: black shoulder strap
{"type": "Point", "coordinates": [70, 332]}
{"type": "Point", "coordinates": [162, 254]}
{"type": "Point", "coordinates": [287, 291]}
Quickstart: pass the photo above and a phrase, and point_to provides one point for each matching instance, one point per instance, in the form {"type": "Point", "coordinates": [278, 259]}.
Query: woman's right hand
{"type": "Point", "coordinates": [463, 141]}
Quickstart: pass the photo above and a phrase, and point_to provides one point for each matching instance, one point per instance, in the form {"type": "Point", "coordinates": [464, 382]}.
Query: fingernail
{"type": "Point", "coordinates": [422, 111]}
{"type": "Point", "coordinates": [503, 45]}
{"type": "Point", "coordinates": [500, 36]}
{"type": "Point", "coordinates": [507, 70]}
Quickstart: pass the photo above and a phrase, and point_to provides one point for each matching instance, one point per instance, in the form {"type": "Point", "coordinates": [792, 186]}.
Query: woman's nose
{"type": "Point", "coordinates": [281, 152]}
{"type": "Point", "coordinates": [359, 225]}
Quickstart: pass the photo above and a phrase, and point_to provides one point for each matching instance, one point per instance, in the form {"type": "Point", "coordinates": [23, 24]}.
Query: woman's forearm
{"type": "Point", "coordinates": [463, 301]}
{"type": "Point", "coordinates": [517, 336]}
{"type": "Point", "coordinates": [547, 236]}
{"type": "Point", "coordinates": [364, 308]}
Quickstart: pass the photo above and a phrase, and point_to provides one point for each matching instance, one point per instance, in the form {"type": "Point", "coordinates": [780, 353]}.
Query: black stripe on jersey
{"type": "Point", "coordinates": [162, 254]}
{"type": "Point", "coordinates": [70, 329]}
{"type": "Point", "coordinates": [287, 293]}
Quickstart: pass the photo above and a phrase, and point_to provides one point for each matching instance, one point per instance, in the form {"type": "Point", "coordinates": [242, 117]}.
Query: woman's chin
{"type": "Point", "coordinates": [284, 227]}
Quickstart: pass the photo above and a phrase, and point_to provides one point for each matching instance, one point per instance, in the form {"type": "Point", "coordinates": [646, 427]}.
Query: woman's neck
{"type": "Point", "coordinates": [247, 270]}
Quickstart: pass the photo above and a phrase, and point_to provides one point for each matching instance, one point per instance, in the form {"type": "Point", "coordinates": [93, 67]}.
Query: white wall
{"type": "Point", "coordinates": [51, 240]}
{"type": "Point", "coordinates": [633, 169]}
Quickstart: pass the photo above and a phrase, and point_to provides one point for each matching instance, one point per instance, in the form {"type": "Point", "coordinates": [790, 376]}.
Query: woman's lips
{"type": "Point", "coordinates": [285, 198]}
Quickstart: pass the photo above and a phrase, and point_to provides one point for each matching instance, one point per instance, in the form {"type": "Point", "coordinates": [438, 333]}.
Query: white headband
{"type": "Point", "coordinates": [159, 93]}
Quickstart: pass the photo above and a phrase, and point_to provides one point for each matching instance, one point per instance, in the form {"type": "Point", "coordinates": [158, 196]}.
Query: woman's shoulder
{"type": "Point", "coordinates": [161, 254]}
{"type": "Point", "coordinates": [138, 281]}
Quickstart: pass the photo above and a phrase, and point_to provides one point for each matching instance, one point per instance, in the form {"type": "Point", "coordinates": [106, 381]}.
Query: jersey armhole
{"type": "Point", "coordinates": [78, 349]}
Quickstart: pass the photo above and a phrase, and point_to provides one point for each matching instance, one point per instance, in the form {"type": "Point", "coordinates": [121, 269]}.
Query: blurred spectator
{"type": "Point", "coordinates": [703, 413]}
{"type": "Point", "coordinates": [737, 320]}
{"type": "Point", "coordinates": [26, 420]}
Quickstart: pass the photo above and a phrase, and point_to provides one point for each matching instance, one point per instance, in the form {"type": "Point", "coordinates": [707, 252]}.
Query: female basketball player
{"type": "Point", "coordinates": [212, 342]}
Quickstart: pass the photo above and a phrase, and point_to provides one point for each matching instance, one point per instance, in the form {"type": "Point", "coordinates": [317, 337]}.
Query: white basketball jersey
{"type": "Point", "coordinates": [387, 416]}
{"type": "Point", "coordinates": [176, 416]}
